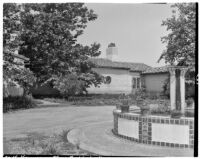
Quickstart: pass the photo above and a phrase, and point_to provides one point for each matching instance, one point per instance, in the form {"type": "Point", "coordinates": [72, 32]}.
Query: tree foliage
{"type": "Point", "coordinates": [111, 45]}
{"type": "Point", "coordinates": [48, 37]}
{"type": "Point", "coordinates": [13, 71]}
{"type": "Point", "coordinates": [50, 40]}
{"type": "Point", "coordinates": [180, 41]}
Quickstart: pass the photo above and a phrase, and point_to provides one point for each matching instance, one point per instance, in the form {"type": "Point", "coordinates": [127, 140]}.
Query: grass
{"type": "Point", "coordinates": [39, 144]}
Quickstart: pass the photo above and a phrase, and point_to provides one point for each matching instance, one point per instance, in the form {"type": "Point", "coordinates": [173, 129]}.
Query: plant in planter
{"type": "Point", "coordinates": [189, 114]}
{"type": "Point", "coordinates": [176, 114]}
{"type": "Point", "coordinates": [140, 96]}
{"type": "Point", "coordinates": [190, 102]}
{"type": "Point", "coordinates": [141, 101]}
{"type": "Point", "coordinates": [124, 103]}
{"type": "Point", "coordinates": [161, 110]}
{"type": "Point", "coordinates": [118, 106]}
{"type": "Point", "coordinates": [145, 109]}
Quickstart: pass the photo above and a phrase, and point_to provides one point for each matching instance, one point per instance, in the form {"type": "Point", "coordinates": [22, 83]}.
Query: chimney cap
{"type": "Point", "coordinates": [111, 45]}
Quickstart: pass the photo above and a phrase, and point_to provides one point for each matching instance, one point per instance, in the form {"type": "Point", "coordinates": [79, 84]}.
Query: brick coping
{"type": "Point", "coordinates": [116, 111]}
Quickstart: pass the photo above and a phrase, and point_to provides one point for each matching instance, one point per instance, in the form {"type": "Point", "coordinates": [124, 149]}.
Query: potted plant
{"type": "Point", "coordinates": [145, 109]}
{"type": "Point", "coordinates": [140, 96]}
{"type": "Point", "coordinates": [176, 114]}
{"type": "Point", "coordinates": [118, 106]}
{"type": "Point", "coordinates": [124, 103]}
{"type": "Point", "coordinates": [139, 102]}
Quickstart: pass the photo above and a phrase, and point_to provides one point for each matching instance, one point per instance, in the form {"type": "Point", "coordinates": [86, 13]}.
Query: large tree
{"type": "Point", "coordinates": [180, 41]}
{"type": "Point", "coordinates": [49, 35]}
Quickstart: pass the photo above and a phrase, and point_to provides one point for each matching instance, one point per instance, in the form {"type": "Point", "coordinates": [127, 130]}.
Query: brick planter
{"type": "Point", "coordinates": [155, 130]}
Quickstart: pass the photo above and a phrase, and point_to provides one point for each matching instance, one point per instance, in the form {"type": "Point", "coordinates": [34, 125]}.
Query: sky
{"type": "Point", "coordinates": [134, 28]}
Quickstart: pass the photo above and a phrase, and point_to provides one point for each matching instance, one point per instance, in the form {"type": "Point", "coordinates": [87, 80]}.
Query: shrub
{"type": "Point", "coordinates": [176, 114]}
{"type": "Point", "coordinates": [69, 85]}
{"type": "Point", "coordinates": [12, 103]}
{"type": "Point", "coordinates": [189, 114]}
{"type": "Point", "coordinates": [190, 102]}
{"type": "Point", "coordinates": [140, 94]}
{"type": "Point", "coordinates": [190, 90]}
{"type": "Point", "coordinates": [160, 110]}
{"type": "Point", "coordinates": [166, 87]}
{"type": "Point", "coordinates": [153, 95]}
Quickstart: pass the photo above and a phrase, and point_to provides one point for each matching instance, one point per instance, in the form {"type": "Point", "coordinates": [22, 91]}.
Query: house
{"type": "Point", "coordinates": [126, 77]}
{"type": "Point", "coordinates": [119, 77]}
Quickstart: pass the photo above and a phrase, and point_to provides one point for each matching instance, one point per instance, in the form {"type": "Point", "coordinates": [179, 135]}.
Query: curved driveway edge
{"type": "Point", "coordinates": [100, 140]}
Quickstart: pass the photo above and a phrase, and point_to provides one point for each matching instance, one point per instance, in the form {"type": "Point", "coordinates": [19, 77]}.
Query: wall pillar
{"type": "Point", "coordinates": [182, 88]}
{"type": "Point", "coordinates": [172, 87]}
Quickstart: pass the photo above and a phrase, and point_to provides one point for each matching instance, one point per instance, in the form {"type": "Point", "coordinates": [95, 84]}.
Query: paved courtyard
{"type": "Point", "coordinates": [91, 128]}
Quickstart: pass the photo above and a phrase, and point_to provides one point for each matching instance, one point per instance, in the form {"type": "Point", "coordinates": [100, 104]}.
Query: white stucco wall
{"type": "Point", "coordinates": [170, 133]}
{"type": "Point", "coordinates": [121, 81]}
{"type": "Point", "coordinates": [154, 82]}
{"type": "Point", "coordinates": [128, 128]}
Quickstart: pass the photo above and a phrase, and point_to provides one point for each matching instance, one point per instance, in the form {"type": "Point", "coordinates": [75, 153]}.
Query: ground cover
{"type": "Point", "coordinates": [100, 100]}
{"type": "Point", "coordinates": [39, 144]}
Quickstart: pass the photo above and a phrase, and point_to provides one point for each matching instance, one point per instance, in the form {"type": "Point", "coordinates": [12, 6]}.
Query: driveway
{"type": "Point", "coordinates": [91, 128]}
{"type": "Point", "coordinates": [53, 120]}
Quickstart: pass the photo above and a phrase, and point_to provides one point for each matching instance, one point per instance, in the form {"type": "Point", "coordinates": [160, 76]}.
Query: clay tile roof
{"type": "Point", "coordinates": [163, 69]}
{"type": "Point", "coordinates": [101, 62]}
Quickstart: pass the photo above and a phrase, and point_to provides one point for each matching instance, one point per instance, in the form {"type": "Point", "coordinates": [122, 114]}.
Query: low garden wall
{"type": "Point", "coordinates": [154, 130]}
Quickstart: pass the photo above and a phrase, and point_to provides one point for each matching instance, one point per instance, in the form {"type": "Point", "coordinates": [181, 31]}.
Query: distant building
{"type": "Point", "coordinates": [127, 77]}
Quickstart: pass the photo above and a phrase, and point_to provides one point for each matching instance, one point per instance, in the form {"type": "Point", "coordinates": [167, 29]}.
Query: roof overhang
{"type": "Point", "coordinates": [112, 67]}
{"type": "Point", "coordinates": [146, 73]}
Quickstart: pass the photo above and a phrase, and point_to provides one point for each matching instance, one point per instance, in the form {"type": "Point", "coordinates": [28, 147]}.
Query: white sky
{"type": "Point", "coordinates": [135, 29]}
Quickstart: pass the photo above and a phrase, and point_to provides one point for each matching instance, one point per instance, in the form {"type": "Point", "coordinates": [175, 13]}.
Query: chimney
{"type": "Point", "coordinates": [112, 52]}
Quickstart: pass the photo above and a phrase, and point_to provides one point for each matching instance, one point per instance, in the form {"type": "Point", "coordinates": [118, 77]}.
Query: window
{"type": "Point", "coordinates": [107, 80]}
{"type": "Point", "coordinates": [136, 82]}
